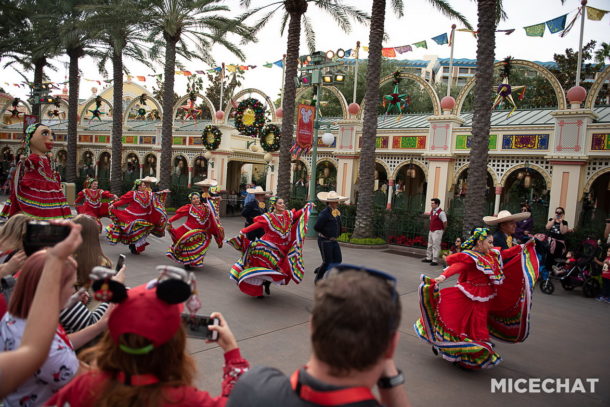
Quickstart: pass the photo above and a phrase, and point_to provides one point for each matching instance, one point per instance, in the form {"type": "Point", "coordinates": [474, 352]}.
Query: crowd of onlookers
{"type": "Point", "coordinates": [71, 333]}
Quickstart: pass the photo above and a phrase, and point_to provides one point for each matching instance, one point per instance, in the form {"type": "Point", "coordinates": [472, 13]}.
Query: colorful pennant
{"type": "Point", "coordinates": [536, 30]}
{"type": "Point", "coordinates": [421, 44]}
{"type": "Point", "coordinates": [596, 14]}
{"type": "Point", "coordinates": [441, 39]}
{"type": "Point", "coordinates": [557, 24]}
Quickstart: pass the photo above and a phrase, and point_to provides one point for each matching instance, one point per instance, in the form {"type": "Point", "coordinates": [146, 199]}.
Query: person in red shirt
{"type": "Point", "coordinates": [438, 223]}
{"type": "Point", "coordinates": [488, 299]}
{"type": "Point", "coordinates": [192, 240]}
{"type": "Point", "coordinates": [277, 256]}
{"type": "Point", "coordinates": [93, 201]}
{"type": "Point", "coordinates": [142, 359]}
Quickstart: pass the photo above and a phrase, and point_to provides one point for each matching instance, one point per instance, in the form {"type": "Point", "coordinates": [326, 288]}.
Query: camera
{"type": "Point", "coordinates": [197, 326]}
{"type": "Point", "coordinates": [40, 234]}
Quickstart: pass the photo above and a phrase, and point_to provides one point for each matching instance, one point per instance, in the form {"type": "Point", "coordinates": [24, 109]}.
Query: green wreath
{"type": "Point", "coordinates": [270, 138]}
{"type": "Point", "coordinates": [250, 117]}
{"type": "Point", "coordinates": [211, 137]}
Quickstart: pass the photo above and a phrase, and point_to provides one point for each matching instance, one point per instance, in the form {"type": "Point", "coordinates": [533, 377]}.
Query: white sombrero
{"type": "Point", "coordinates": [331, 196]}
{"type": "Point", "coordinates": [258, 190]}
{"type": "Point", "coordinates": [149, 179]}
{"type": "Point", "coordinates": [505, 216]}
{"type": "Point", "coordinates": [207, 183]}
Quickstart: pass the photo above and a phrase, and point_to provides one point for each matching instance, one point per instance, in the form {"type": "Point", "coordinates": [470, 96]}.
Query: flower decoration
{"type": "Point", "coordinates": [250, 117]}
{"type": "Point", "coordinates": [211, 137]}
{"type": "Point", "coordinates": [270, 138]}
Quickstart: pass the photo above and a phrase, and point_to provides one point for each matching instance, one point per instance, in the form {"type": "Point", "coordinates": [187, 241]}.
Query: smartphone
{"type": "Point", "coordinates": [40, 234]}
{"type": "Point", "coordinates": [197, 326]}
{"type": "Point", "coordinates": [120, 263]}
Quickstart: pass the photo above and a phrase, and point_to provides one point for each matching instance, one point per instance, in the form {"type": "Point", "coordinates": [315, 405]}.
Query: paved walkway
{"type": "Point", "coordinates": [570, 334]}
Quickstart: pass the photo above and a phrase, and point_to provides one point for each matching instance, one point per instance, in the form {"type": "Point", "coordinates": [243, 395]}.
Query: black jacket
{"type": "Point", "coordinates": [327, 224]}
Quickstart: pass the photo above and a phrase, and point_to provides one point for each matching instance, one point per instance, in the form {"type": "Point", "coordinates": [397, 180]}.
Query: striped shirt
{"type": "Point", "coordinates": [78, 316]}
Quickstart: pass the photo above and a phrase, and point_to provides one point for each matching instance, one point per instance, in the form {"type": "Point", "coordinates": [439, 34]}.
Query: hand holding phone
{"type": "Point", "coordinates": [197, 326]}
{"type": "Point", "coordinates": [41, 234]}
{"type": "Point", "coordinates": [120, 262]}
{"type": "Point", "coordinates": [226, 339]}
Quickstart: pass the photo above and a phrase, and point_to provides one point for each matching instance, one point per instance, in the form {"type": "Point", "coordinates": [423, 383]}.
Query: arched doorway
{"type": "Point", "coordinates": [326, 177]}
{"type": "Point", "coordinates": [410, 188]}
{"type": "Point", "coordinates": [460, 189]}
{"type": "Point", "coordinates": [86, 168]}
{"type": "Point", "coordinates": [300, 184]}
{"type": "Point", "coordinates": [60, 163]}
{"type": "Point", "coordinates": [527, 186]}
{"type": "Point", "coordinates": [180, 172]}
{"type": "Point", "coordinates": [103, 170]}
{"type": "Point", "coordinates": [200, 169]}
{"type": "Point", "coordinates": [380, 196]}
{"type": "Point", "coordinates": [150, 166]}
{"type": "Point", "coordinates": [596, 205]}
{"type": "Point", "coordinates": [131, 171]}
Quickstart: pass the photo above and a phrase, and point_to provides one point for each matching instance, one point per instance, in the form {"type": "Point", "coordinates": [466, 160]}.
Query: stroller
{"type": "Point", "coordinates": [581, 271]}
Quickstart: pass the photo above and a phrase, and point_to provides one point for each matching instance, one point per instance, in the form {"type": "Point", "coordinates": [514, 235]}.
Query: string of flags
{"type": "Point", "coordinates": [558, 24]}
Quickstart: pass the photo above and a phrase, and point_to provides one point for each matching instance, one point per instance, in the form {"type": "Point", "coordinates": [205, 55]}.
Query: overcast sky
{"type": "Point", "coordinates": [420, 22]}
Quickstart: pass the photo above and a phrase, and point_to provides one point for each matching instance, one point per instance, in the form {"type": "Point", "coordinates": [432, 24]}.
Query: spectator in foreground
{"type": "Point", "coordinates": [40, 328]}
{"type": "Point", "coordinates": [354, 334]}
{"type": "Point", "coordinates": [142, 360]}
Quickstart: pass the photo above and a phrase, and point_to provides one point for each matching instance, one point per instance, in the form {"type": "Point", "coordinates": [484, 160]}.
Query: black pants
{"type": "Point", "coordinates": [331, 253]}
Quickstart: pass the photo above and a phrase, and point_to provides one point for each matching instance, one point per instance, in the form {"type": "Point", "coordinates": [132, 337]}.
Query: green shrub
{"type": "Point", "coordinates": [368, 241]}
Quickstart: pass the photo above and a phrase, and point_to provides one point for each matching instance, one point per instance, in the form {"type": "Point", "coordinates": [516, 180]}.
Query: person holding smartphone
{"type": "Point", "coordinates": [557, 228]}
{"type": "Point", "coordinates": [142, 360]}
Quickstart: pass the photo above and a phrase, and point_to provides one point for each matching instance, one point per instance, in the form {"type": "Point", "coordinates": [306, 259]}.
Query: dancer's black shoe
{"type": "Point", "coordinates": [132, 249]}
{"type": "Point", "coordinates": [188, 267]}
{"type": "Point", "coordinates": [261, 297]}
{"type": "Point", "coordinates": [267, 286]}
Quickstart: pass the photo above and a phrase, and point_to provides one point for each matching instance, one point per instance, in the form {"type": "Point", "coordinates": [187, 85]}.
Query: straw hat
{"type": "Point", "coordinates": [258, 190]}
{"type": "Point", "coordinates": [207, 183]}
{"type": "Point", "coordinates": [331, 196]}
{"type": "Point", "coordinates": [151, 180]}
{"type": "Point", "coordinates": [505, 216]}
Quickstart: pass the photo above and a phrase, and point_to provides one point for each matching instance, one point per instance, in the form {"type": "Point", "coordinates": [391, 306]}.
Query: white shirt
{"type": "Point", "coordinates": [57, 371]}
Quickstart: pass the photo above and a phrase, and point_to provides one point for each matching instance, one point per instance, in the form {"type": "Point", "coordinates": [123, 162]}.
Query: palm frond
{"type": "Point", "coordinates": [310, 35]}
{"type": "Point", "coordinates": [445, 8]}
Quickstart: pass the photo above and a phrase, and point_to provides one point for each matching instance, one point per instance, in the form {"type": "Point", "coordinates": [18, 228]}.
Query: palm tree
{"type": "Point", "coordinates": [120, 32]}
{"type": "Point", "coordinates": [75, 42]}
{"type": "Point", "coordinates": [175, 23]}
{"type": "Point", "coordinates": [294, 15]}
{"type": "Point", "coordinates": [364, 212]}
{"type": "Point", "coordinates": [488, 12]}
{"type": "Point", "coordinates": [602, 54]}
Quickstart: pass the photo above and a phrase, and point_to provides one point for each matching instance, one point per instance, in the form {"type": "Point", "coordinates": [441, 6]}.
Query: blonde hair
{"type": "Point", "coordinates": [13, 231]}
{"type": "Point", "coordinates": [89, 254]}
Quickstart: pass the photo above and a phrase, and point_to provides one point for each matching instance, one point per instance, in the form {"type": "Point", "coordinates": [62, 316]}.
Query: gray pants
{"type": "Point", "coordinates": [434, 245]}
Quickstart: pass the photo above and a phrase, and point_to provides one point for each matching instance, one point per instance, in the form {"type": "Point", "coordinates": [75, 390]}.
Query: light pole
{"type": "Point", "coordinates": [317, 62]}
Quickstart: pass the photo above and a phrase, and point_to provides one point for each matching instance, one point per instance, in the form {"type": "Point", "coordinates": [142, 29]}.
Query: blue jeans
{"type": "Point", "coordinates": [331, 253]}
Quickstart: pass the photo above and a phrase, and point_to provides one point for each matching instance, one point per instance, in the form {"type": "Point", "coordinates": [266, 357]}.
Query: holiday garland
{"type": "Point", "coordinates": [270, 138]}
{"type": "Point", "coordinates": [211, 137]}
{"type": "Point", "coordinates": [250, 117]}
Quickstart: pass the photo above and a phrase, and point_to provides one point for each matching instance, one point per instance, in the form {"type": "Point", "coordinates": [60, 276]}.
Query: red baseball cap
{"type": "Point", "coordinates": [144, 314]}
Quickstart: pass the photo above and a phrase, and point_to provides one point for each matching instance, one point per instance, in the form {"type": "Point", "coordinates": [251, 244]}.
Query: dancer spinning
{"type": "Point", "coordinates": [277, 256]}
{"type": "Point", "coordinates": [488, 299]}
{"type": "Point", "coordinates": [207, 196]}
{"type": "Point", "coordinates": [35, 187]}
{"type": "Point", "coordinates": [192, 239]}
{"type": "Point", "coordinates": [144, 214]}
{"type": "Point", "coordinates": [94, 201]}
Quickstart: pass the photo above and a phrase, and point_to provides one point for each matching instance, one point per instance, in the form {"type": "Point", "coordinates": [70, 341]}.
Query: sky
{"type": "Point", "coordinates": [421, 21]}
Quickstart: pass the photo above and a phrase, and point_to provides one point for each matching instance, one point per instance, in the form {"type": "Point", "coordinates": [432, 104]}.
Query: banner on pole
{"type": "Point", "coordinates": [557, 24]}
{"type": "Point", "coordinates": [535, 30]}
{"type": "Point", "coordinates": [306, 116]}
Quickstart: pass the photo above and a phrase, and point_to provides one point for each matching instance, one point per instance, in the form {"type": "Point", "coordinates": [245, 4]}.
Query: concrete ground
{"type": "Point", "coordinates": [570, 334]}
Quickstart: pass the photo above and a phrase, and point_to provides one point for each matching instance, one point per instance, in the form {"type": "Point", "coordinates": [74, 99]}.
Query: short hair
{"type": "Point", "coordinates": [562, 210]}
{"type": "Point", "coordinates": [436, 201]}
{"type": "Point", "coordinates": [25, 289]}
{"type": "Point", "coordinates": [355, 316]}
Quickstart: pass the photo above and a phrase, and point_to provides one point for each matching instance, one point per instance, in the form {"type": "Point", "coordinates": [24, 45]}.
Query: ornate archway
{"type": "Point", "coordinates": [335, 91]}
{"type": "Point", "coordinates": [436, 104]}
{"type": "Point", "coordinates": [559, 92]}
{"type": "Point", "coordinates": [184, 98]}
{"type": "Point", "coordinates": [537, 168]}
{"type": "Point", "coordinates": [91, 101]}
{"type": "Point", "coordinates": [270, 105]}
{"type": "Point", "coordinates": [418, 163]}
{"type": "Point", "coordinates": [464, 167]}
{"type": "Point", "coordinates": [596, 88]}
{"type": "Point", "coordinates": [136, 100]}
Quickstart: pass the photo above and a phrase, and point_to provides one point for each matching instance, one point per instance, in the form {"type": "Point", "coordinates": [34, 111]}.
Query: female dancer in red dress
{"type": "Point", "coordinates": [35, 187]}
{"type": "Point", "coordinates": [192, 240]}
{"type": "Point", "coordinates": [489, 299]}
{"type": "Point", "coordinates": [144, 214]}
{"type": "Point", "coordinates": [94, 201]}
{"type": "Point", "coordinates": [277, 256]}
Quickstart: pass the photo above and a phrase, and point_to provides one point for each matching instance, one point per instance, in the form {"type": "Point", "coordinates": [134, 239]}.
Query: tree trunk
{"type": "Point", "coordinates": [116, 176]}
{"type": "Point", "coordinates": [39, 65]}
{"type": "Point", "coordinates": [72, 136]}
{"type": "Point", "coordinates": [292, 55]}
{"type": "Point", "coordinates": [364, 212]}
{"type": "Point", "coordinates": [168, 112]}
{"type": "Point", "coordinates": [481, 121]}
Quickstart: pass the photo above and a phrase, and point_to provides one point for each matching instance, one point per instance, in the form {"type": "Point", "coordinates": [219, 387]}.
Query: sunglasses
{"type": "Point", "coordinates": [335, 269]}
